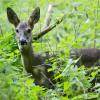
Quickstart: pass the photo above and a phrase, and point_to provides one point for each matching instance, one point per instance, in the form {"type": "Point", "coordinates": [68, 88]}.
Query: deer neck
{"type": "Point", "coordinates": [30, 59]}
{"type": "Point", "coordinates": [27, 56]}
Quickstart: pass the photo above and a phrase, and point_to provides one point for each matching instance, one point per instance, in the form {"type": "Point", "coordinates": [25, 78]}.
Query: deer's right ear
{"type": "Point", "coordinates": [34, 18]}
{"type": "Point", "coordinates": [12, 17]}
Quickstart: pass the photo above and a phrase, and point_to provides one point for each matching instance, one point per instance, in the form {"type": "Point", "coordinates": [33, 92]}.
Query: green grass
{"type": "Point", "coordinates": [80, 28]}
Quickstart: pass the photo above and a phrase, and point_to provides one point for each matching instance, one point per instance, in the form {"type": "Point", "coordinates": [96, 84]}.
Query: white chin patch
{"type": "Point", "coordinates": [23, 46]}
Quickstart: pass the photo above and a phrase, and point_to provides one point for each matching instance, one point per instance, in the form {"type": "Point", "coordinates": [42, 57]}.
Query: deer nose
{"type": "Point", "coordinates": [23, 42]}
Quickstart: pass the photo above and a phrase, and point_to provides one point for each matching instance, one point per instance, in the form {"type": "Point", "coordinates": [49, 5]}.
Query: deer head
{"type": "Point", "coordinates": [23, 28]}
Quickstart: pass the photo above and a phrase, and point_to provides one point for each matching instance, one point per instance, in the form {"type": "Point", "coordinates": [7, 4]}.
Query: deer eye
{"type": "Point", "coordinates": [17, 30]}
{"type": "Point", "coordinates": [28, 30]}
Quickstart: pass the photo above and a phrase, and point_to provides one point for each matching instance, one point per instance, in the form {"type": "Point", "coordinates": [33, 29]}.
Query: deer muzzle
{"type": "Point", "coordinates": [23, 42]}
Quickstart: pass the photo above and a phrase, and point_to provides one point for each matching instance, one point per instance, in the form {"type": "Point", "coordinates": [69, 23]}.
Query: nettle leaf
{"type": "Point", "coordinates": [66, 86]}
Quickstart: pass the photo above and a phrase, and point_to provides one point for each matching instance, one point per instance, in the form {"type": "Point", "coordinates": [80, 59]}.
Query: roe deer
{"type": "Point", "coordinates": [88, 56]}
{"type": "Point", "coordinates": [33, 63]}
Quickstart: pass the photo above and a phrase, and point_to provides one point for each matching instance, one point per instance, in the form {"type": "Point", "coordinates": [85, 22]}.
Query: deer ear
{"type": "Point", "coordinates": [12, 17]}
{"type": "Point", "coordinates": [34, 18]}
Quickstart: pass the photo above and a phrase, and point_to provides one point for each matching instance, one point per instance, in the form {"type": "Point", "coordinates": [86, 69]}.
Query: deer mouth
{"type": "Point", "coordinates": [23, 44]}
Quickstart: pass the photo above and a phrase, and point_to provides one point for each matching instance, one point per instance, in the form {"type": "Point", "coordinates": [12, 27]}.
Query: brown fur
{"type": "Point", "coordinates": [32, 62]}
{"type": "Point", "coordinates": [88, 56]}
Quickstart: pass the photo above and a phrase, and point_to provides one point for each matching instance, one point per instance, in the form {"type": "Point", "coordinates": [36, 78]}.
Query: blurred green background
{"type": "Point", "coordinates": [80, 28]}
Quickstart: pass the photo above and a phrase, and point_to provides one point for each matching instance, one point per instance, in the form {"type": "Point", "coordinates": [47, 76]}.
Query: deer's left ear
{"type": "Point", "coordinates": [34, 18]}
{"type": "Point", "coordinates": [12, 17]}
